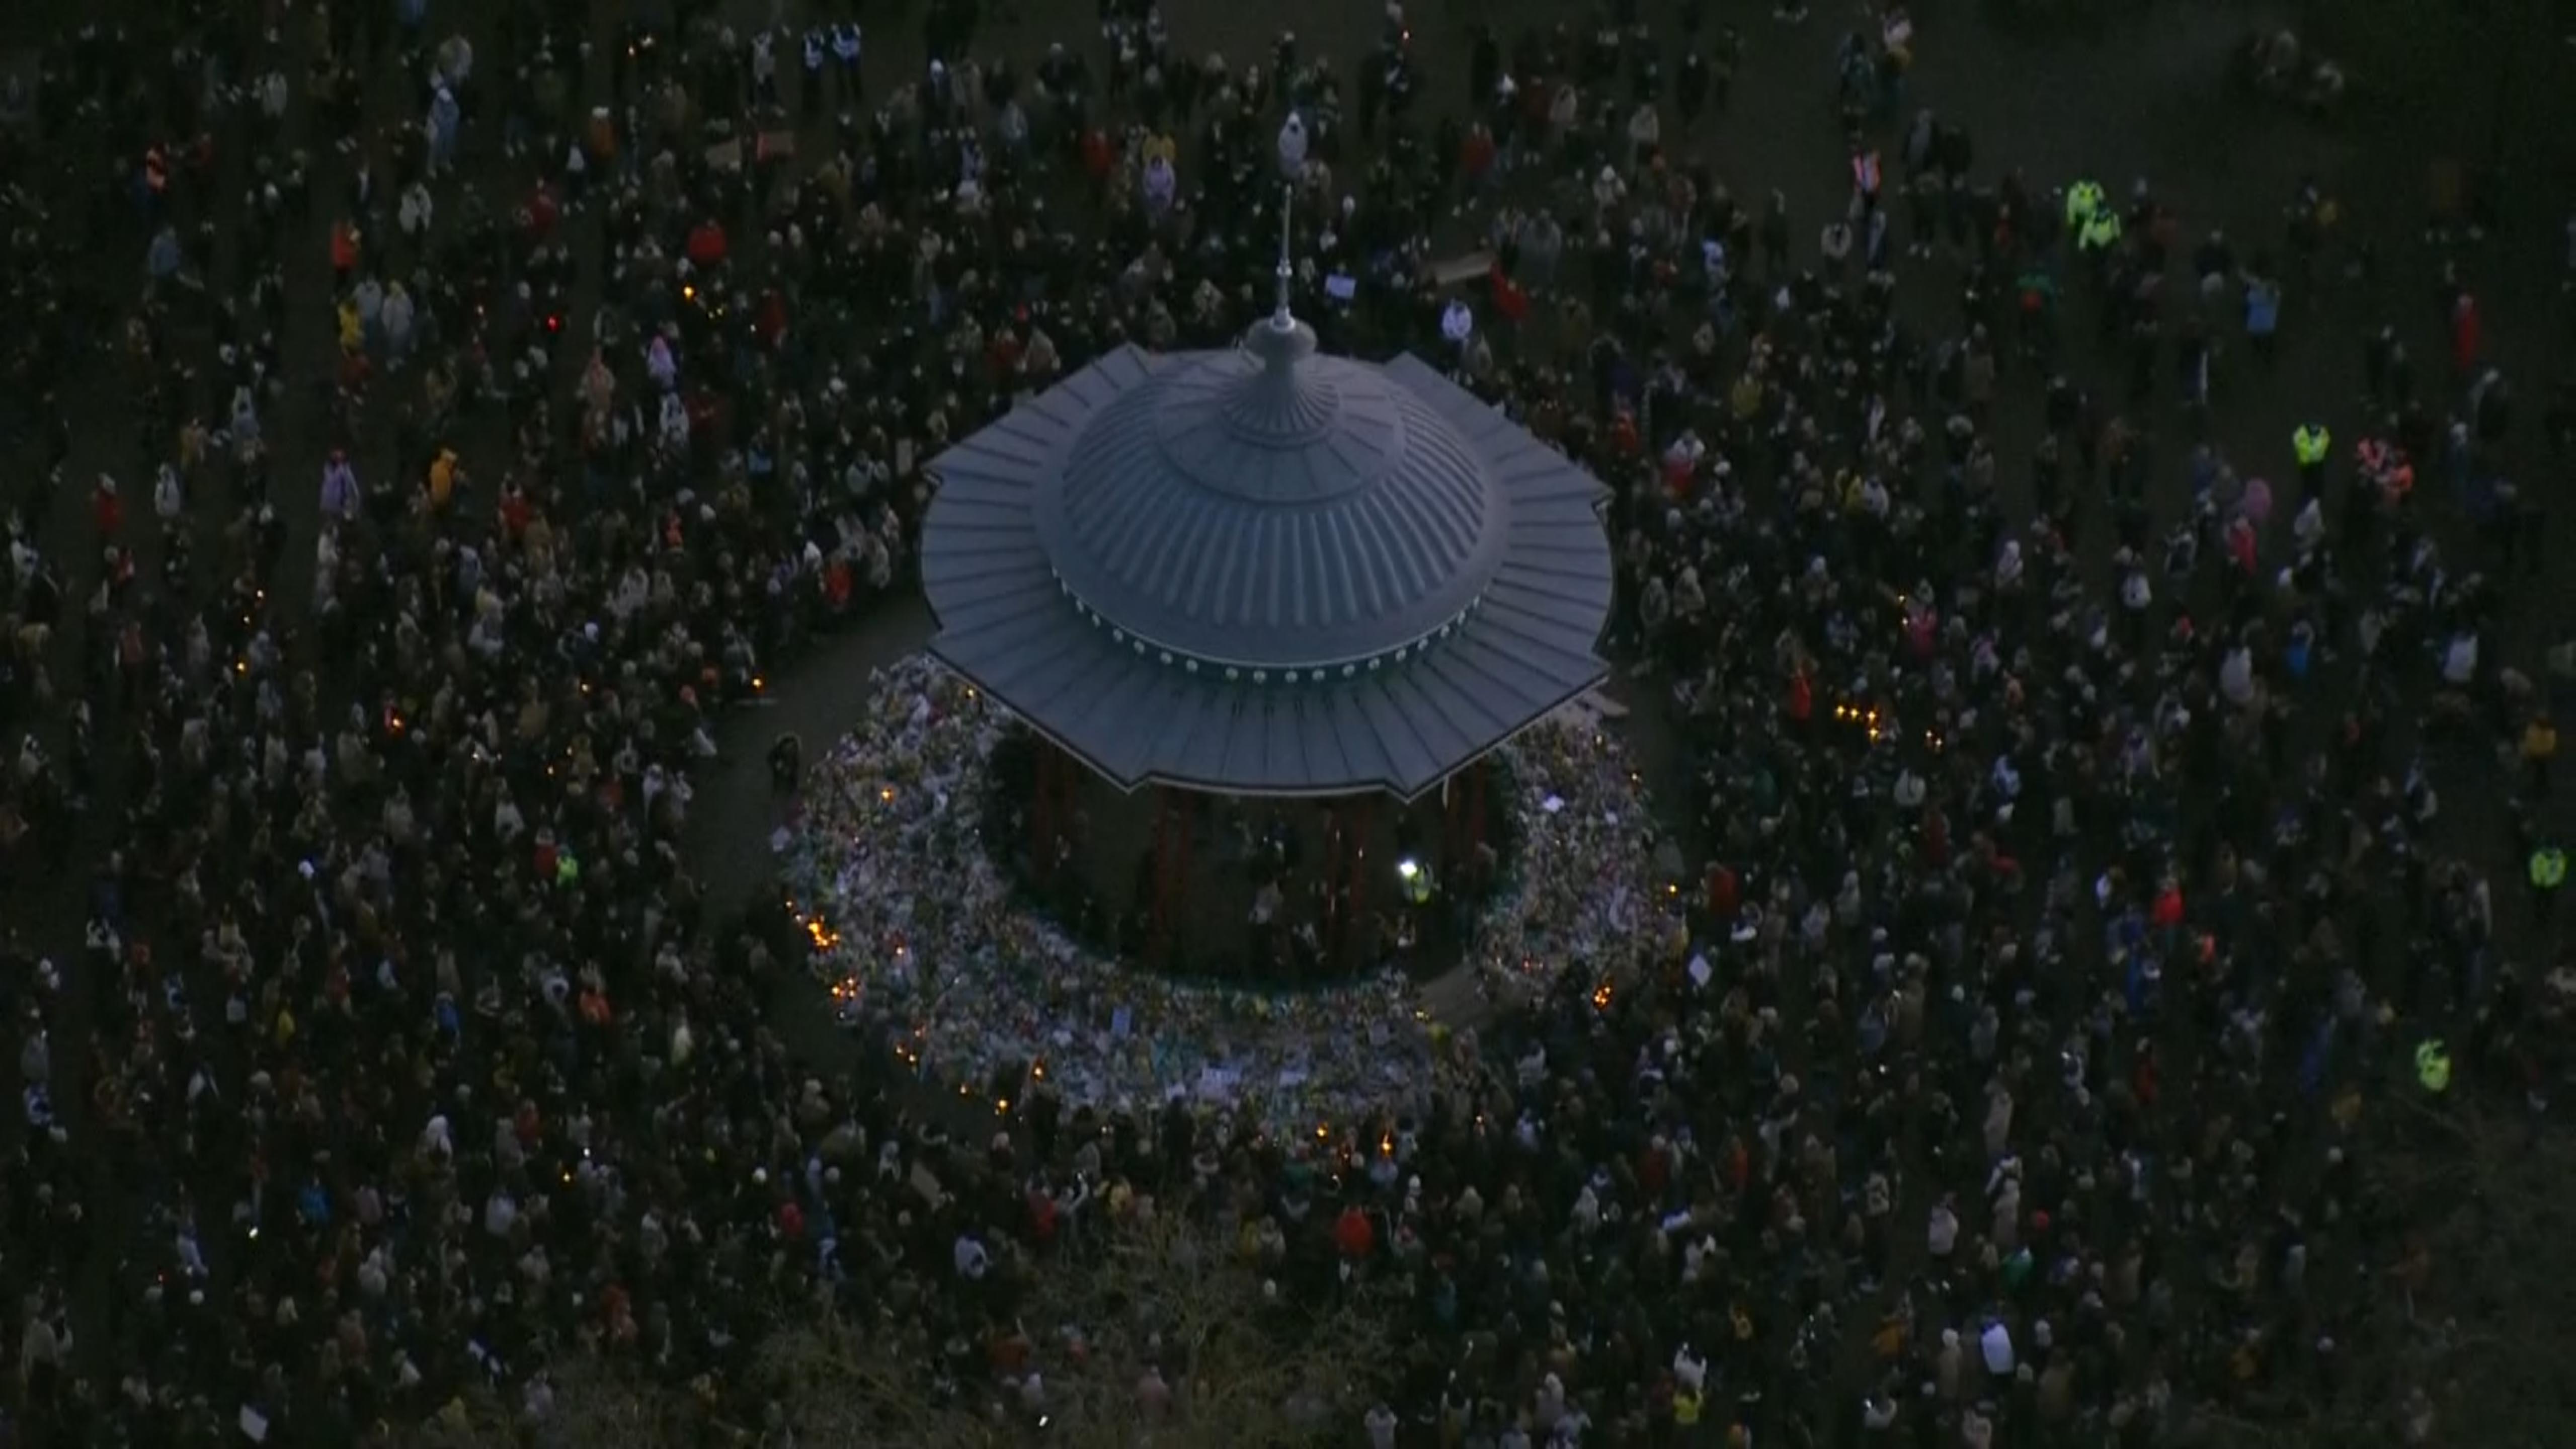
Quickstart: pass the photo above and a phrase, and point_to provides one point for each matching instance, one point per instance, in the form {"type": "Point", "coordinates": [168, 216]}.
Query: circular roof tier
{"type": "Point", "coordinates": [1271, 509]}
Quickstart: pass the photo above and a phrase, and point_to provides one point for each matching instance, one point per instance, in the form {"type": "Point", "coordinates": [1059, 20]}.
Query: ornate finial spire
{"type": "Point", "coordinates": [1279, 317]}
{"type": "Point", "coordinates": [1292, 165]}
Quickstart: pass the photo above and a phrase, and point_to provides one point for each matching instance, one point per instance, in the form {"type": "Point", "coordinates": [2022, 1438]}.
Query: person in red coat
{"type": "Point", "coordinates": [707, 244]}
{"type": "Point", "coordinates": [544, 214]}
{"type": "Point", "coordinates": [2167, 911]}
{"type": "Point", "coordinates": [1802, 697]}
{"type": "Point", "coordinates": [771, 318]}
{"type": "Point", "coordinates": [106, 510]}
{"type": "Point", "coordinates": [1510, 302]}
{"type": "Point", "coordinates": [1722, 890]}
{"type": "Point", "coordinates": [1353, 1233]}
{"type": "Point", "coordinates": [1476, 155]}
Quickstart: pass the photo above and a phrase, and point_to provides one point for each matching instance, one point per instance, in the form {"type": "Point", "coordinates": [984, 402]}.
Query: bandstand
{"type": "Point", "coordinates": [1264, 615]}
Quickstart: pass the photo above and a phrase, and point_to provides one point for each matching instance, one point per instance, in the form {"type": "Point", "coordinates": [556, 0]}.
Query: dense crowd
{"type": "Point", "coordinates": [2072, 885]}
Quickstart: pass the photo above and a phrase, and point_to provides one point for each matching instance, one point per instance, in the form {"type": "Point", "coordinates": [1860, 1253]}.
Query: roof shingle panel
{"type": "Point", "coordinates": [1267, 572]}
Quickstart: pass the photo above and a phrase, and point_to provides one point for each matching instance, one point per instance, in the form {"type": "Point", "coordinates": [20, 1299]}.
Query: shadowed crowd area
{"type": "Point", "coordinates": [2082, 484]}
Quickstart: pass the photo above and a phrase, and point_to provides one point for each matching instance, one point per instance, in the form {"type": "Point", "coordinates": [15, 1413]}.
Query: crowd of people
{"type": "Point", "coordinates": [2076, 870]}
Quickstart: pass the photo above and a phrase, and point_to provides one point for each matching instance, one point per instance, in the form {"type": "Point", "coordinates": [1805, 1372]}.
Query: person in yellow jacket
{"type": "Point", "coordinates": [2547, 871]}
{"type": "Point", "coordinates": [2099, 232]}
{"type": "Point", "coordinates": [2309, 445]}
{"type": "Point", "coordinates": [2539, 747]}
{"type": "Point", "coordinates": [2082, 200]}
{"type": "Point", "coordinates": [2433, 1066]}
{"type": "Point", "coordinates": [442, 479]}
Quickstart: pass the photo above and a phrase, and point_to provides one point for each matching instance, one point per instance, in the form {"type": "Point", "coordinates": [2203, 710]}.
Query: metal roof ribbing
{"type": "Point", "coordinates": [1458, 666]}
{"type": "Point", "coordinates": [1272, 509]}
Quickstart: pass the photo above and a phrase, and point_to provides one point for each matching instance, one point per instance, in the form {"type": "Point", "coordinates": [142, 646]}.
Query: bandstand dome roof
{"type": "Point", "coordinates": [1267, 571]}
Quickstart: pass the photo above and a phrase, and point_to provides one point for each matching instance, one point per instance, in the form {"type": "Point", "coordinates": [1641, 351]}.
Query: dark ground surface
{"type": "Point", "coordinates": [2140, 95]}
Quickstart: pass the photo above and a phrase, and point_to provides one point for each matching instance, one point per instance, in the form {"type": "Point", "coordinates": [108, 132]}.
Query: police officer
{"type": "Point", "coordinates": [2309, 443]}
{"type": "Point", "coordinates": [2099, 233]}
{"type": "Point", "coordinates": [812, 101]}
{"type": "Point", "coordinates": [845, 56]}
{"type": "Point", "coordinates": [2547, 870]}
{"type": "Point", "coordinates": [2433, 1066]}
{"type": "Point", "coordinates": [2082, 200]}
{"type": "Point", "coordinates": [1413, 879]}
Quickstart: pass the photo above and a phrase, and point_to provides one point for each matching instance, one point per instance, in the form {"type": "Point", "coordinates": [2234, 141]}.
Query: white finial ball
{"type": "Point", "coordinates": [1292, 147]}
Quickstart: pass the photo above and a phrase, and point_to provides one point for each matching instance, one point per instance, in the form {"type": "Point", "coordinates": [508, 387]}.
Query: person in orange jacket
{"type": "Point", "coordinates": [443, 475]}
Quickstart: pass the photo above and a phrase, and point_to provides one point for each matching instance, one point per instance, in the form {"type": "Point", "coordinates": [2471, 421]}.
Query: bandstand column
{"type": "Point", "coordinates": [1171, 866]}
{"type": "Point", "coordinates": [1068, 776]}
{"type": "Point", "coordinates": [1359, 871]}
{"type": "Point", "coordinates": [1476, 807]}
{"type": "Point", "coordinates": [1333, 826]}
{"type": "Point", "coordinates": [1042, 822]}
